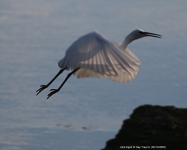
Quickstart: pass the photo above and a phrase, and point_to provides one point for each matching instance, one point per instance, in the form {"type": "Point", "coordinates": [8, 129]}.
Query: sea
{"type": "Point", "coordinates": [86, 113]}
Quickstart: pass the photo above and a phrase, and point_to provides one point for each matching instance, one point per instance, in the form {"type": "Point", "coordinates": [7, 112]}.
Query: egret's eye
{"type": "Point", "coordinates": [141, 32]}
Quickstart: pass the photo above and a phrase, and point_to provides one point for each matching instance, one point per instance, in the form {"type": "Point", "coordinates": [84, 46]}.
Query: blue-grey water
{"type": "Point", "coordinates": [86, 113]}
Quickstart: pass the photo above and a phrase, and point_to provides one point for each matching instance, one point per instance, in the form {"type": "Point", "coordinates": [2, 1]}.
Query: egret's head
{"type": "Point", "coordinates": [138, 33]}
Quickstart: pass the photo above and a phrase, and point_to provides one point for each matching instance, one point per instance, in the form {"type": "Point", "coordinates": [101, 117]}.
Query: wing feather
{"type": "Point", "coordinates": [97, 57]}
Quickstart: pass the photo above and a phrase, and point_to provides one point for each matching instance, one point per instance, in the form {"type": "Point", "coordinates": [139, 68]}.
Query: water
{"type": "Point", "coordinates": [34, 36]}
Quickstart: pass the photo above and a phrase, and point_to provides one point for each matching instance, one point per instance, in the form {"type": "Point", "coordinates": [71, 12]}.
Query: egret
{"type": "Point", "coordinates": [92, 55]}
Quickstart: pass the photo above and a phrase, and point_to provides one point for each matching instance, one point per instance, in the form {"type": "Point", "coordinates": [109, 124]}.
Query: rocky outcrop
{"type": "Point", "coordinates": [152, 126]}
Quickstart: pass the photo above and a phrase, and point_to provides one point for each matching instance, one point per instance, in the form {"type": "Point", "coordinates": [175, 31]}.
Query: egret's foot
{"type": "Point", "coordinates": [53, 91]}
{"type": "Point", "coordinates": [42, 87]}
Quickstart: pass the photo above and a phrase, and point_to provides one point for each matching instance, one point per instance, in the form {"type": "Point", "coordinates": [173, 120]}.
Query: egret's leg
{"type": "Point", "coordinates": [42, 87]}
{"type": "Point", "coordinates": [53, 91]}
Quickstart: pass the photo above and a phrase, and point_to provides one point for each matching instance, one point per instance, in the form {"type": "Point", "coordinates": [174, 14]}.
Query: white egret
{"type": "Point", "coordinates": [92, 55]}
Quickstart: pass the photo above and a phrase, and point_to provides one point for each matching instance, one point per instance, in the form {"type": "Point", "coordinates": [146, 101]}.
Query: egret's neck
{"type": "Point", "coordinates": [131, 37]}
{"type": "Point", "coordinates": [125, 43]}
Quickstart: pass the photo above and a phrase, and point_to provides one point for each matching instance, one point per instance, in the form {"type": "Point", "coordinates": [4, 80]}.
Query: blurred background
{"type": "Point", "coordinates": [86, 113]}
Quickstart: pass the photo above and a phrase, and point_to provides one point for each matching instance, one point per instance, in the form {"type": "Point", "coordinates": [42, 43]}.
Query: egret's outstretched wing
{"type": "Point", "coordinates": [121, 77]}
{"type": "Point", "coordinates": [133, 55]}
{"type": "Point", "coordinates": [95, 53]}
{"type": "Point", "coordinates": [127, 51]}
{"type": "Point", "coordinates": [85, 73]}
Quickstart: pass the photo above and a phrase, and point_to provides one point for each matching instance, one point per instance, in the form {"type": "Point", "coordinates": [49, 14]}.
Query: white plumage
{"type": "Point", "coordinates": [97, 57]}
{"type": "Point", "coordinates": [92, 55]}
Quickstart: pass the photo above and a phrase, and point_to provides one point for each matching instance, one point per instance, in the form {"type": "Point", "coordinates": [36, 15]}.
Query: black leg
{"type": "Point", "coordinates": [53, 91]}
{"type": "Point", "coordinates": [42, 87]}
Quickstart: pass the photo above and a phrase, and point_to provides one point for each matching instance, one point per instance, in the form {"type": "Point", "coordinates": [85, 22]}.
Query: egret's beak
{"type": "Point", "coordinates": [152, 34]}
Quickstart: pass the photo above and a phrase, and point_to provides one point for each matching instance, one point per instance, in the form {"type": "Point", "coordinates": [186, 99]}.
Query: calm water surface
{"type": "Point", "coordinates": [34, 35]}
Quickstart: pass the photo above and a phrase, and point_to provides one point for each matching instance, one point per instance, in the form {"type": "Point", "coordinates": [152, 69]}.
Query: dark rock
{"type": "Point", "coordinates": [153, 126]}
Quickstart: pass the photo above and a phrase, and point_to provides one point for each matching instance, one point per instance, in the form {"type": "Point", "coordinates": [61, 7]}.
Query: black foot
{"type": "Point", "coordinates": [53, 91]}
{"type": "Point", "coordinates": [42, 87]}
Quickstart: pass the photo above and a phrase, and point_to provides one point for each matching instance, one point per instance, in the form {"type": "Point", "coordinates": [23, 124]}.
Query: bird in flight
{"type": "Point", "coordinates": [92, 55]}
